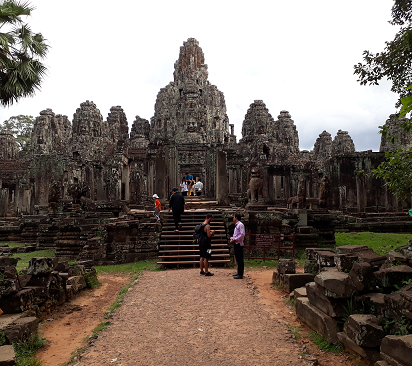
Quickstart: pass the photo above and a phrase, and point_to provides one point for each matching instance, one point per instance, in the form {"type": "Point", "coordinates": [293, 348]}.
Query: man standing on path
{"type": "Point", "coordinates": [237, 240]}
{"type": "Point", "coordinates": [198, 187]}
{"type": "Point", "coordinates": [205, 246]}
{"type": "Point", "coordinates": [190, 183]}
{"type": "Point", "coordinates": [177, 204]}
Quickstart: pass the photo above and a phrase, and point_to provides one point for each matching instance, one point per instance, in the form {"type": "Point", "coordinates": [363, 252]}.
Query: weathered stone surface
{"type": "Point", "coordinates": [397, 350]}
{"type": "Point", "coordinates": [286, 266]}
{"type": "Point", "coordinates": [336, 284]}
{"type": "Point", "coordinates": [8, 261]}
{"type": "Point", "coordinates": [331, 307]}
{"type": "Point", "coordinates": [369, 256]}
{"type": "Point", "coordinates": [374, 302]}
{"type": "Point", "coordinates": [381, 363]}
{"type": "Point", "coordinates": [342, 143]}
{"type": "Point", "coordinates": [298, 292]}
{"type": "Point", "coordinates": [62, 267]}
{"type": "Point", "coordinates": [77, 282]}
{"type": "Point", "coordinates": [76, 270]}
{"type": "Point", "coordinates": [394, 275]}
{"type": "Point", "coordinates": [7, 356]}
{"type": "Point", "coordinates": [7, 319]}
{"type": "Point", "coordinates": [293, 281]}
{"type": "Point", "coordinates": [317, 320]}
{"type": "Point", "coordinates": [364, 330]}
{"type": "Point", "coordinates": [41, 265]}
{"type": "Point", "coordinates": [362, 276]}
{"type": "Point", "coordinates": [8, 287]}
{"type": "Point", "coordinates": [371, 354]}
{"type": "Point", "coordinates": [311, 252]}
{"type": "Point", "coordinates": [21, 329]}
{"type": "Point", "coordinates": [311, 266]}
{"type": "Point", "coordinates": [395, 257]}
{"type": "Point", "coordinates": [325, 258]}
{"type": "Point", "coordinates": [350, 249]}
{"type": "Point", "coordinates": [344, 262]}
{"type": "Point", "coordinates": [396, 137]}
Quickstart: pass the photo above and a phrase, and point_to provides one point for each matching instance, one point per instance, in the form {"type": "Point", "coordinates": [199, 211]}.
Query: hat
{"type": "Point", "coordinates": [155, 196]}
{"type": "Point", "coordinates": [174, 189]}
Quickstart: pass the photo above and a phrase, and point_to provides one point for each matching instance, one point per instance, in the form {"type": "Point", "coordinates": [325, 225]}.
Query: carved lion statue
{"type": "Point", "coordinates": [255, 190]}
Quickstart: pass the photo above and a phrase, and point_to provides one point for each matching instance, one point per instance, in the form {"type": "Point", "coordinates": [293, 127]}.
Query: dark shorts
{"type": "Point", "coordinates": [203, 252]}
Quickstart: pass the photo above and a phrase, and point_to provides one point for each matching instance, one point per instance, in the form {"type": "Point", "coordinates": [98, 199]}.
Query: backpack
{"type": "Point", "coordinates": [200, 237]}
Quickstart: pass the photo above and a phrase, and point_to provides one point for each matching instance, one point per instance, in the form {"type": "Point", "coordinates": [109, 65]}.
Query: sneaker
{"type": "Point", "coordinates": [202, 273]}
{"type": "Point", "coordinates": [209, 274]}
{"type": "Point", "coordinates": [235, 274]}
{"type": "Point", "coordinates": [237, 277]}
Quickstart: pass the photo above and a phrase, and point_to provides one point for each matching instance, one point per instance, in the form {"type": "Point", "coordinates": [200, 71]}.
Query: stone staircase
{"type": "Point", "coordinates": [176, 249]}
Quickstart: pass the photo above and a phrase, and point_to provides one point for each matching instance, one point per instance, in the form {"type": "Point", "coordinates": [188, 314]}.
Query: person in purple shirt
{"type": "Point", "coordinates": [237, 240]}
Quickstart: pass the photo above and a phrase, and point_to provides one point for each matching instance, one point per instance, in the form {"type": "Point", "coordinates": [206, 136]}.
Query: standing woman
{"type": "Point", "coordinates": [158, 207]}
{"type": "Point", "coordinates": [183, 187]}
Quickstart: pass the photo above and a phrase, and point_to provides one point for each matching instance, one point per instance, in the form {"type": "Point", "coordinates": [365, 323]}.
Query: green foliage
{"type": "Point", "coordinates": [23, 263]}
{"type": "Point", "coordinates": [135, 267]}
{"type": "Point", "coordinates": [381, 243]}
{"type": "Point", "coordinates": [397, 171]}
{"type": "Point", "coordinates": [21, 50]}
{"type": "Point", "coordinates": [15, 244]}
{"type": "Point", "coordinates": [21, 128]}
{"type": "Point", "coordinates": [295, 330]}
{"type": "Point", "coordinates": [395, 61]}
{"type": "Point", "coordinates": [91, 280]}
{"type": "Point", "coordinates": [403, 284]}
{"type": "Point", "coordinates": [323, 344]}
{"type": "Point", "coordinates": [99, 328]}
{"type": "Point", "coordinates": [26, 351]}
{"type": "Point", "coordinates": [2, 338]}
{"type": "Point", "coordinates": [406, 106]}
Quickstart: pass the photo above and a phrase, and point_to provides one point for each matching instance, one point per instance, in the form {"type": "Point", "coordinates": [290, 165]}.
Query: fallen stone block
{"type": "Point", "coordinates": [369, 256]}
{"type": "Point", "coordinates": [362, 276]}
{"type": "Point", "coordinates": [350, 249]}
{"type": "Point", "coordinates": [77, 282]}
{"type": "Point", "coordinates": [7, 356]}
{"type": "Point", "coordinates": [364, 330]}
{"type": "Point", "coordinates": [311, 252]}
{"type": "Point", "coordinates": [397, 350]}
{"type": "Point", "coordinates": [344, 262]}
{"type": "Point", "coordinates": [381, 363]}
{"type": "Point", "coordinates": [317, 320]}
{"type": "Point", "coordinates": [76, 270]}
{"type": "Point", "coordinates": [7, 319]}
{"type": "Point", "coordinates": [374, 302]}
{"type": "Point", "coordinates": [21, 329]}
{"type": "Point", "coordinates": [331, 307]}
{"type": "Point", "coordinates": [395, 257]}
{"type": "Point", "coordinates": [371, 354]}
{"type": "Point", "coordinates": [336, 284]}
{"type": "Point", "coordinates": [298, 292]}
{"type": "Point", "coordinates": [286, 266]}
{"type": "Point", "coordinates": [41, 265]}
{"type": "Point", "coordinates": [10, 273]}
{"type": "Point", "coordinates": [277, 279]}
{"type": "Point", "coordinates": [62, 267]}
{"type": "Point", "coordinates": [394, 275]}
{"type": "Point", "coordinates": [8, 261]}
{"type": "Point", "coordinates": [325, 258]}
{"type": "Point", "coordinates": [294, 281]}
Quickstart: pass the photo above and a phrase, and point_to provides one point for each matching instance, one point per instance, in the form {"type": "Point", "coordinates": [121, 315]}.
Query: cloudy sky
{"type": "Point", "coordinates": [294, 55]}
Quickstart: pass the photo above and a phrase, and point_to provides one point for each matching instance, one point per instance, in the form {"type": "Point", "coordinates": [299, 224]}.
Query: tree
{"type": "Point", "coordinates": [21, 128]}
{"type": "Point", "coordinates": [21, 71]}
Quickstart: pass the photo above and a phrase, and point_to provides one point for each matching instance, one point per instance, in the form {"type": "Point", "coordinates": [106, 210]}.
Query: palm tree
{"type": "Point", "coordinates": [21, 71]}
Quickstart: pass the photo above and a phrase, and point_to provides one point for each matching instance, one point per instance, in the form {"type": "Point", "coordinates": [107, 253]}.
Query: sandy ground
{"type": "Point", "coordinates": [177, 317]}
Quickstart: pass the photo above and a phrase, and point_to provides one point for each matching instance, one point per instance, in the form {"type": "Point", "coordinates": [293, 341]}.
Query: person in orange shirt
{"type": "Point", "coordinates": [158, 207]}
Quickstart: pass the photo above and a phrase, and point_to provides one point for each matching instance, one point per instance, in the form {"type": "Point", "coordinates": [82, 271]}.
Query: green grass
{"type": "Point", "coordinates": [23, 263]}
{"type": "Point", "coordinates": [323, 344]}
{"type": "Point", "coordinates": [135, 267]}
{"type": "Point", "coordinates": [295, 330]}
{"type": "Point", "coordinates": [13, 244]}
{"type": "Point", "coordinates": [381, 243]}
{"type": "Point", "coordinates": [26, 351]}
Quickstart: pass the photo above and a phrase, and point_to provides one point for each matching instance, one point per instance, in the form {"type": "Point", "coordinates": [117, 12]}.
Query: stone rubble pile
{"type": "Point", "coordinates": [358, 298]}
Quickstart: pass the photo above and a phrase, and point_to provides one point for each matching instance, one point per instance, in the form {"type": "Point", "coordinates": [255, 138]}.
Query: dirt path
{"type": "Point", "coordinates": [67, 328]}
{"type": "Point", "coordinates": [178, 317]}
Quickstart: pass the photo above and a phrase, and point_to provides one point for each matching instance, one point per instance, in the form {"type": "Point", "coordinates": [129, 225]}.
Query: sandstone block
{"type": "Point", "coordinates": [362, 276]}
{"type": "Point", "coordinates": [76, 270]}
{"type": "Point", "coordinates": [369, 256]}
{"type": "Point", "coordinates": [21, 329]}
{"type": "Point", "coordinates": [391, 276]}
{"type": "Point", "coordinates": [371, 354]}
{"type": "Point", "coordinates": [77, 282]}
{"type": "Point", "coordinates": [325, 258]}
{"type": "Point", "coordinates": [397, 350]}
{"type": "Point", "coordinates": [62, 267]}
{"type": "Point", "coordinates": [298, 292]}
{"type": "Point", "coordinates": [311, 252]}
{"type": "Point", "coordinates": [331, 307]}
{"type": "Point", "coordinates": [364, 330]}
{"type": "Point", "coordinates": [374, 302]}
{"type": "Point", "coordinates": [7, 356]}
{"type": "Point", "coordinates": [336, 284]}
{"type": "Point", "coordinates": [381, 363]}
{"type": "Point", "coordinates": [41, 265]}
{"type": "Point", "coordinates": [344, 262]}
{"type": "Point", "coordinates": [311, 266]}
{"type": "Point", "coordinates": [286, 266]}
{"type": "Point", "coordinates": [395, 257]}
{"type": "Point", "coordinates": [317, 320]}
{"type": "Point", "coordinates": [10, 273]}
{"type": "Point", "coordinates": [277, 279]}
{"type": "Point", "coordinates": [8, 261]}
{"type": "Point", "coordinates": [293, 281]}
{"type": "Point", "coordinates": [350, 249]}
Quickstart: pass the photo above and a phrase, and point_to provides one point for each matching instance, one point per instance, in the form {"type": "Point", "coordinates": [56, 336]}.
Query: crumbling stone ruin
{"type": "Point", "coordinates": [356, 297]}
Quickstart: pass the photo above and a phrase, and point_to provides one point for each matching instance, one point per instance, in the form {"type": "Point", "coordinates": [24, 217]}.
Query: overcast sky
{"type": "Point", "coordinates": [294, 55]}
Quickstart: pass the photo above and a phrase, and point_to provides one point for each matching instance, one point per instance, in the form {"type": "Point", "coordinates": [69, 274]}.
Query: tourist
{"type": "Point", "coordinates": [158, 207]}
{"type": "Point", "coordinates": [190, 183]}
{"type": "Point", "coordinates": [177, 204]}
{"type": "Point", "coordinates": [237, 240]}
{"type": "Point", "coordinates": [205, 246]}
{"type": "Point", "coordinates": [198, 187]}
{"type": "Point", "coordinates": [183, 187]}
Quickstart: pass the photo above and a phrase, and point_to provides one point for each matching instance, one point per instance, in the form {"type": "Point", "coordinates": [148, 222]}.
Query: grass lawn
{"type": "Point", "coordinates": [135, 267]}
{"type": "Point", "coordinates": [23, 263]}
{"type": "Point", "coordinates": [13, 244]}
{"type": "Point", "coordinates": [381, 243]}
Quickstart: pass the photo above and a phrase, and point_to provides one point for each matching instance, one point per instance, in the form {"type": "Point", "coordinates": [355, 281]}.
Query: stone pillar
{"type": "Point", "coordinates": [271, 188]}
{"type": "Point", "coordinates": [159, 184]}
{"type": "Point", "coordinates": [100, 194]}
{"type": "Point", "coordinates": [221, 178]}
{"type": "Point", "coordinates": [360, 193]}
{"type": "Point", "coordinates": [126, 182]}
{"type": "Point", "coordinates": [278, 186]}
{"type": "Point", "coordinates": [4, 201]}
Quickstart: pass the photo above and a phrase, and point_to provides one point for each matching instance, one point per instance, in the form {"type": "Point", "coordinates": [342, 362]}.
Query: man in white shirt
{"type": "Point", "coordinates": [198, 187]}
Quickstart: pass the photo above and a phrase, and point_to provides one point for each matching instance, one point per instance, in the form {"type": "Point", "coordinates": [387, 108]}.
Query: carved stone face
{"type": "Point", "coordinates": [255, 172]}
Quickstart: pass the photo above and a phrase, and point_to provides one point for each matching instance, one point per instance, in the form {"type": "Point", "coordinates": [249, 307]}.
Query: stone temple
{"type": "Point", "coordinates": [98, 159]}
